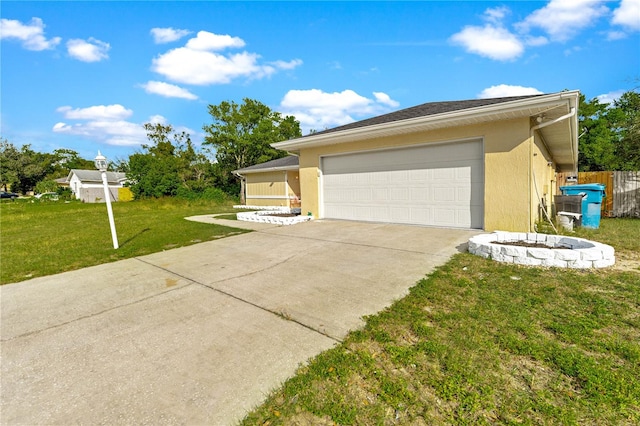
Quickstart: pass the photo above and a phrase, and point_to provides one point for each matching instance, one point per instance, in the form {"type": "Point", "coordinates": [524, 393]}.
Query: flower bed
{"type": "Point", "coordinates": [559, 251]}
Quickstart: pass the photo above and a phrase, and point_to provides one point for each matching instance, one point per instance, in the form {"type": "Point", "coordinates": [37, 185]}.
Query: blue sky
{"type": "Point", "coordinates": [87, 75]}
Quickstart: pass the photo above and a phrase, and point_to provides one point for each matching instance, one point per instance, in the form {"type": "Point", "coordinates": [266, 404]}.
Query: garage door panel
{"type": "Point", "coordinates": [438, 185]}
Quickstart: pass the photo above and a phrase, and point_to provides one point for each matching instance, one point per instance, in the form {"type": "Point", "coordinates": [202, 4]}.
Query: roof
{"type": "Point", "coordinates": [286, 163]}
{"type": "Point", "coordinates": [560, 137]}
{"type": "Point", "coordinates": [423, 110]}
{"type": "Point", "coordinates": [96, 176]}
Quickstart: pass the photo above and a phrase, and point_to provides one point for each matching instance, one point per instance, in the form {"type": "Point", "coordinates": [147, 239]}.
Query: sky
{"type": "Point", "coordinates": [87, 76]}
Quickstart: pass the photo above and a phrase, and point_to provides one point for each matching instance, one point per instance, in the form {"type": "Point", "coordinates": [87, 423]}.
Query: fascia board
{"type": "Point", "coordinates": [415, 124]}
{"type": "Point", "coordinates": [268, 169]}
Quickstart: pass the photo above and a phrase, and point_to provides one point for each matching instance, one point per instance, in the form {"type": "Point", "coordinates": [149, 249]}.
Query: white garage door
{"type": "Point", "coordinates": [438, 185]}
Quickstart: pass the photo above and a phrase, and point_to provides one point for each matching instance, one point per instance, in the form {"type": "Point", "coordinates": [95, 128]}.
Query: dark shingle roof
{"type": "Point", "coordinates": [423, 110]}
{"type": "Point", "coordinates": [280, 163]}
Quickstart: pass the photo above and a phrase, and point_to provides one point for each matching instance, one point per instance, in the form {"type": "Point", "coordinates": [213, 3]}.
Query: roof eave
{"type": "Point", "coordinates": [428, 122]}
{"type": "Point", "coordinates": [267, 169]}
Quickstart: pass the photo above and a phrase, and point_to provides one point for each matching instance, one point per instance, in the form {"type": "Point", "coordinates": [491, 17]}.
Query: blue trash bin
{"type": "Point", "coordinates": [592, 195]}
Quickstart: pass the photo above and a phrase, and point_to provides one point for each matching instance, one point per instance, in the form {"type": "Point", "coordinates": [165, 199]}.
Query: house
{"type": "Point", "coordinates": [87, 185]}
{"type": "Point", "coordinates": [481, 164]}
{"type": "Point", "coordinates": [274, 183]}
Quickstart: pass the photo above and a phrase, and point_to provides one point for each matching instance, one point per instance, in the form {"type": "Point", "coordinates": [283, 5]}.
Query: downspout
{"type": "Point", "coordinates": [532, 175]}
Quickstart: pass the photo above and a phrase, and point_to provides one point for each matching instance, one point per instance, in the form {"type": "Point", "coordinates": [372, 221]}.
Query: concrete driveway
{"type": "Point", "coordinates": [200, 334]}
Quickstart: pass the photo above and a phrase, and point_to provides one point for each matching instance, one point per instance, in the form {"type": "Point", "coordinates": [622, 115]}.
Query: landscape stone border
{"type": "Point", "coordinates": [263, 216]}
{"type": "Point", "coordinates": [576, 252]}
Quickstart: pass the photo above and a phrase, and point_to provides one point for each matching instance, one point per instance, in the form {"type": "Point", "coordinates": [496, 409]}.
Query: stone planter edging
{"type": "Point", "coordinates": [263, 216]}
{"type": "Point", "coordinates": [580, 253]}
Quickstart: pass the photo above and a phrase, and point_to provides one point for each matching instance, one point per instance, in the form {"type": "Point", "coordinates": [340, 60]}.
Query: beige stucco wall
{"type": "Point", "coordinates": [275, 188]}
{"type": "Point", "coordinates": [543, 180]}
{"type": "Point", "coordinates": [508, 197]}
{"type": "Point", "coordinates": [293, 182]}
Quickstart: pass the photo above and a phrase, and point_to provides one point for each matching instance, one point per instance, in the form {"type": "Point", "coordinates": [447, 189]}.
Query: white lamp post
{"type": "Point", "coordinates": [101, 164]}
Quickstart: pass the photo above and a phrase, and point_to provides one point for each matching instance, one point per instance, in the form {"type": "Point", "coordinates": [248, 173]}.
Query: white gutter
{"type": "Point", "coordinates": [266, 169]}
{"type": "Point", "coordinates": [554, 121]}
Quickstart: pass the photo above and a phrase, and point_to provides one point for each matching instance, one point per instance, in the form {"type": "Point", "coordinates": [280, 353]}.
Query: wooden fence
{"type": "Point", "coordinates": [622, 190]}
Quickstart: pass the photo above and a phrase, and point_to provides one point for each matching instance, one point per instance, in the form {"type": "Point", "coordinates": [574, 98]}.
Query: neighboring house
{"type": "Point", "coordinates": [481, 164]}
{"type": "Point", "coordinates": [87, 185]}
{"type": "Point", "coordinates": [274, 183]}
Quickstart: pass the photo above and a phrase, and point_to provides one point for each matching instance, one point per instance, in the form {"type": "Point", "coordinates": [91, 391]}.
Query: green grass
{"type": "Point", "coordinates": [39, 239]}
{"type": "Point", "coordinates": [478, 342]}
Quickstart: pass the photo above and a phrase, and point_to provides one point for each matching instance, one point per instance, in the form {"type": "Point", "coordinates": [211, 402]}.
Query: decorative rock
{"type": "Point", "coordinates": [529, 261]}
{"type": "Point", "coordinates": [588, 254]}
{"type": "Point", "coordinates": [572, 252]}
{"type": "Point", "coordinates": [554, 263]}
{"type": "Point", "coordinates": [502, 258]}
{"type": "Point", "coordinates": [603, 263]}
{"type": "Point", "coordinates": [580, 264]}
{"type": "Point", "coordinates": [566, 254]}
{"type": "Point", "coordinates": [514, 251]}
{"type": "Point", "coordinates": [540, 253]}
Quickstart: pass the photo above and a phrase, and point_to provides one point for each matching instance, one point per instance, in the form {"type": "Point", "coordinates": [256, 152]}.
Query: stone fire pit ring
{"type": "Point", "coordinates": [560, 251]}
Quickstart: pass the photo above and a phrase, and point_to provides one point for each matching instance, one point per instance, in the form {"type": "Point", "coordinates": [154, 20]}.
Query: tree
{"type": "Point", "coordinates": [167, 166]}
{"type": "Point", "coordinates": [21, 169]}
{"type": "Point", "coordinates": [66, 159]}
{"type": "Point", "coordinates": [628, 130]}
{"type": "Point", "coordinates": [242, 136]}
{"type": "Point", "coordinates": [610, 134]}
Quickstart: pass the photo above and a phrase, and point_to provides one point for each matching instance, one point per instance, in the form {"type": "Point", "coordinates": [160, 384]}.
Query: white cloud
{"type": "Point", "coordinates": [198, 67]}
{"type": "Point", "coordinates": [496, 14]}
{"type": "Point", "coordinates": [609, 98]}
{"type": "Point", "coordinates": [167, 90]}
{"type": "Point", "coordinates": [616, 35]}
{"type": "Point", "coordinates": [91, 50]}
{"type": "Point", "coordinates": [628, 15]}
{"type": "Point", "coordinates": [167, 35]}
{"type": "Point", "coordinates": [157, 119]}
{"type": "Point", "coordinates": [205, 40]}
{"type": "Point", "coordinates": [535, 41]}
{"type": "Point", "coordinates": [562, 19]}
{"type": "Point", "coordinates": [98, 112]}
{"type": "Point", "coordinates": [491, 41]}
{"type": "Point", "coordinates": [283, 65]}
{"type": "Point", "coordinates": [107, 124]}
{"type": "Point", "coordinates": [318, 110]}
{"type": "Point", "coordinates": [559, 20]}
{"type": "Point", "coordinates": [505, 90]}
{"type": "Point", "coordinates": [383, 98]}
{"type": "Point", "coordinates": [31, 34]}
{"type": "Point", "coordinates": [198, 63]}
{"type": "Point", "coordinates": [112, 132]}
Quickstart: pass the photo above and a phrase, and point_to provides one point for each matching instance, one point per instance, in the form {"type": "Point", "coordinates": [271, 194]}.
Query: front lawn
{"type": "Point", "coordinates": [39, 239]}
{"type": "Point", "coordinates": [478, 342]}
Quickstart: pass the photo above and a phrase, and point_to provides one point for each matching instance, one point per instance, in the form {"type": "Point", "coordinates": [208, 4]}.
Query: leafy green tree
{"type": "Point", "coordinates": [21, 169]}
{"type": "Point", "coordinates": [46, 185]}
{"type": "Point", "coordinates": [64, 160]}
{"type": "Point", "coordinates": [242, 136]}
{"type": "Point", "coordinates": [596, 143]}
{"type": "Point", "coordinates": [628, 130]}
{"type": "Point", "coordinates": [170, 165]}
{"type": "Point", "coordinates": [610, 134]}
